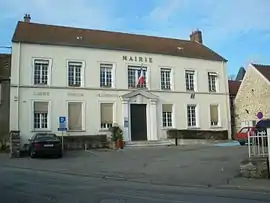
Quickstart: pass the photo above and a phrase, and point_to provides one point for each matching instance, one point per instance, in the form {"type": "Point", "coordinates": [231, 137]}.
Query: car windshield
{"type": "Point", "coordinates": [46, 137]}
{"type": "Point", "coordinates": [244, 130]}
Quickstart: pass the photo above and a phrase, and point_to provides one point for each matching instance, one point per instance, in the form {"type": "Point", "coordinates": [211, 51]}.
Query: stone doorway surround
{"type": "Point", "coordinates": [140, 97]}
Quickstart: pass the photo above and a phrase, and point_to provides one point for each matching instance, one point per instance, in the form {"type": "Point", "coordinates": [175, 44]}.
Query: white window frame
{"type": "Point", "coordinates": [83, 114]}
{"type": "Point", "coordinates": [172, 117]}
{"type": "Point", "coordinates": [49, 120]}
{"type": "Point", "coordinates": [196, 116]}
{"type": "Point", "coordinates": [138, 67]}
{"type": "Point", "coordinates": [194, 80]}
{"type": "Point", "coordinates": [82, 72]}
{"type": "Point", "coordinates": [216, 81]}
{"type": "Point", "coordinates": [49, 77]}
{"type": "Point", "coordinates": [113, 69]}
{"type": "Point", "coordinates": [219, 117]}
{"type": "Point", "coordinates": [162, 71]}
{"type": "Point", "coordinates": [114, 103]}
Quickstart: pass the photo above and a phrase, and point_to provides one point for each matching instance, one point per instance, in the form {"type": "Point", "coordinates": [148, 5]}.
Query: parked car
{"type": "Point", "coordinates": [45, 144]}
{"type": "Point", "coordinates": [242, 135]}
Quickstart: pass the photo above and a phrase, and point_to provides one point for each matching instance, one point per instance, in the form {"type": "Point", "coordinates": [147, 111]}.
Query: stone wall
{"type": "Point", "coordinates": [254, 168]}
{"type": "Point", "coordinates": [198, 134]}
{"type": "Point", "coordinates": [85, 142]}
{"type": "Point", "coordinates": [253, 96]}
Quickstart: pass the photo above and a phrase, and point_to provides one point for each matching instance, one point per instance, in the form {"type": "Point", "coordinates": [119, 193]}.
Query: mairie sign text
{"type": "Point", "coordinates": [138, 59]}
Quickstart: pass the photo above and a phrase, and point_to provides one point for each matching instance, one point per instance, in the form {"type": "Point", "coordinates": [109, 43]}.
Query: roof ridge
{"type": "Point", "coordinates": [108, 31]}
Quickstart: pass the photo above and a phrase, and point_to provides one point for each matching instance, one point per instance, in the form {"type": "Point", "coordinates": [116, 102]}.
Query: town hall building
{"type": "Point", "coordinates": [96, 79]}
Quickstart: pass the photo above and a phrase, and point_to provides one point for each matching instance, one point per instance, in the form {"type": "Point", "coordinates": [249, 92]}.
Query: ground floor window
{"type": "Point", "coordinates": [167, 115]}
{"type": "Point", "coordinates": [191, 115]}
{"type": "Point", "coordinates": [106, 113]}
{"type": "Point", "coordinates": [75, 116]}
{"type": "Point", "coordinates": [214, 115]}
{"type": "Point", "coordinates": [41, 115]}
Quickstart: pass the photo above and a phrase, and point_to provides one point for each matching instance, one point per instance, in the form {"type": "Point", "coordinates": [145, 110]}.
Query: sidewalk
{"type": "Point", "coordinates": [260, 185]}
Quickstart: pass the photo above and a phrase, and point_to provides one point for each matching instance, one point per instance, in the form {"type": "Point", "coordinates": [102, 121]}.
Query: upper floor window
{"type": "Point", "coordinates": [165, 78]}
{"type": "Point", "coordinates": [212, 82]}
{"type": "Point", "coordinates": [190, 83]}
{"type": "Point", "coordinates": [41, 71]}
{"type": "Point", "coordinates": [137, 77]}
{"type": "Point", "coordinates": [106, 75]}
{"type": "Point", "coordinates": [75, 74]}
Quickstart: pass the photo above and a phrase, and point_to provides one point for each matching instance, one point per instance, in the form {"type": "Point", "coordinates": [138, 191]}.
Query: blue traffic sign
{"type": "Point", "coordinates": [62, 119]}
{"type": "Point", "coordinates": [62, 123]}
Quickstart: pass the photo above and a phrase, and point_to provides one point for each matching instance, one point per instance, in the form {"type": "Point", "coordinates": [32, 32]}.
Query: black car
{"type": "Point", "coordinates": [45, 144]}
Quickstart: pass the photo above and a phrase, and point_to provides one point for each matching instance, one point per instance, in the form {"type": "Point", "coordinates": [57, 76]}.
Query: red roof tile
{"type": "Point", "coordinates": [234, 86]}
{"type": "Point", "coordinates": [69, 36]}
{"type": "Point", "coordinates": [263, 69]}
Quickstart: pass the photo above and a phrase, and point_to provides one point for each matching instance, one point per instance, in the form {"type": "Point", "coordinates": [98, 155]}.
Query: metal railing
{"type": "Point", "coordinates": [258, 144]}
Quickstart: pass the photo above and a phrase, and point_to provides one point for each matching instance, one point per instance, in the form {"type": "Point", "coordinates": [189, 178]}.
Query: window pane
{"type": "Point", "coordinates": [106, 75]}
{"type": "Point", "coordinates": [214, 114]}
{"type": "Point", "coordinates": [134, 73]}
{"type": "Point", "coordinates": [40, 115]}
{"type": "Point", "coordinates": [74, 73]}
{"type": "Point", "coordinates": [191, 113]}
{"type": "Point", "coordinates": [165, 77]}
{"type": "Point", "coordinates": [41, 71]}
{"type": "Point", "coordinates": [75, 116]}
{"type": "Point", "coordinates": [106, 112]}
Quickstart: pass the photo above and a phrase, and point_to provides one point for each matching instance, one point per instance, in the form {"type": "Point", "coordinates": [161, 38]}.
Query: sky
{"type": "Point", "coordinates": [239, 30]}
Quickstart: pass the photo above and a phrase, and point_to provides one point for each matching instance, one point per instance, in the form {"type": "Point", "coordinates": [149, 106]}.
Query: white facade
{"type": "Point", "coordinates": [57, 93]}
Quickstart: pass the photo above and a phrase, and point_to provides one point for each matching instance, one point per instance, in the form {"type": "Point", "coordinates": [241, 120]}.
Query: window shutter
{"type": "Point", "coordinates": [214, 113]}
{"type": "Point", "coordinates": [166, 107]}
{"type": "Point", "coordinates": [106, 112]}
{"type": "Point", "coordinates": [41, 107]}
{"type": "Point", "coordinates": [75, 116]}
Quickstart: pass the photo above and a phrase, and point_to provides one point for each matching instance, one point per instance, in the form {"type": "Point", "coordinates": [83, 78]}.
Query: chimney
{"type": "Point", "coordinates": [27, 18]}
{"type": "Point", "coordinates": [196, 36]}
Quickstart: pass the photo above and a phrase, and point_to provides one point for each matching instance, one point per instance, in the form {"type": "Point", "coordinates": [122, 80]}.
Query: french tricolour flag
{"type": "Point", "coordinates": [141, 79]}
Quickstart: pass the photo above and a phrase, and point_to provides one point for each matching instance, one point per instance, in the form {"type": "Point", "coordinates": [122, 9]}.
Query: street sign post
{"type": "Point", "coordinates": [62, 127]}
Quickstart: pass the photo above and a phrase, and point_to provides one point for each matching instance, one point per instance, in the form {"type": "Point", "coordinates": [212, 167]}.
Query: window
{"type": "Point", "coordinates": [41, 115]}
{"type": "Point", "coordinates": [75, 116]}
{"type": "Point", "coordinates": [106, 112]}
{"type": "Point", "coordinates": [191, 113]}
{"type": "Point", "coordinates": [212, 82]}
{"type": "Point", "coordinates": [165, 77]}
{"type": "Point", "coordinates": [106, 75]}
{"type": "Point", "coordinates": [190, 80]}
{"type": "Point", "coordinates": [75, 74]}
{"type": "Point", "coordinates": [134, 75]}
{"type": "Point", "coordinates": [41, 70]}
{"type": "Point", "coordinates": [214, 115]}
{"type": "Point", "coordinates": [167, 115]}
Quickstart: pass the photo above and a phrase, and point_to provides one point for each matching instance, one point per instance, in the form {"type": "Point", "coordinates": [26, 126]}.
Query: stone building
{"type": "Point", "coordinates": [5, 63]}
{"type": "Point", "coordinates": [253, 97]}
{"type": "Point", "coordinates": [233, 89]}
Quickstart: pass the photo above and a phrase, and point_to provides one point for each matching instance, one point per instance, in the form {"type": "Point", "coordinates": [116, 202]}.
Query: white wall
{"type": "Point", "coordinates": [22, 65]}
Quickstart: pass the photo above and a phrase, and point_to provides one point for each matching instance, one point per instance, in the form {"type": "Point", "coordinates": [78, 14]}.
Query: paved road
{"type": "Point", "coordinates": [30, 186]}
{"type": "Point", "coordinates": [190, 165]}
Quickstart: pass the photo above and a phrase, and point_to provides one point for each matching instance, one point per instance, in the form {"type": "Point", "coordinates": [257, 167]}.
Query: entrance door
{"type": "Point", "coordinates": [138, 122]}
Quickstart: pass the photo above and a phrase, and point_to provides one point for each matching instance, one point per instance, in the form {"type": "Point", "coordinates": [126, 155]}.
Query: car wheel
{"type": "Point", "coordinates": [32, 153]}
{"type": "Point", "coordinates": [242, 143]}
